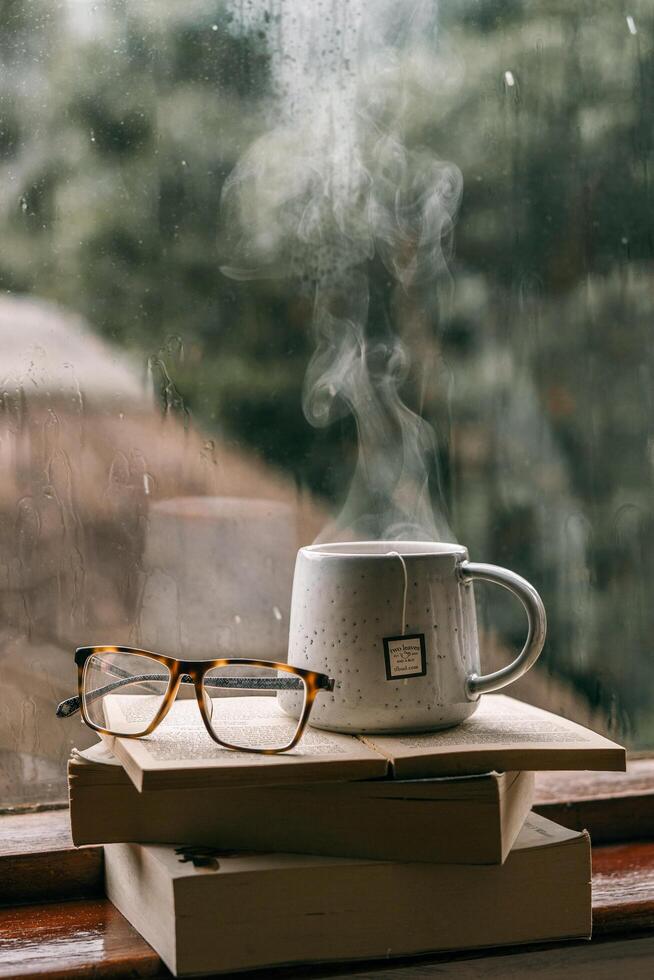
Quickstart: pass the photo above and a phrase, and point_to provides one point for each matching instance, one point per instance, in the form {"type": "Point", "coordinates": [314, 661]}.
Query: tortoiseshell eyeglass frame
{"type": "Point", "coordinates": [193, 672]}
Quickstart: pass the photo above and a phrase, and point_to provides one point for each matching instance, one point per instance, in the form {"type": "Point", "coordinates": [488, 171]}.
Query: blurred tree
{"type": "Point", "coordinates": [119, 123]}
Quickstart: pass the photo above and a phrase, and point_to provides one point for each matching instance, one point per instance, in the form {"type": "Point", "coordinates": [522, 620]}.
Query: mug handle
{"type": "Point", "coordinates": [477, 684]}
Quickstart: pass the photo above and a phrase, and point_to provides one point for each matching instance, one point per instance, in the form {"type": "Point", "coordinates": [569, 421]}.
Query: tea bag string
{"type": "Point", "coordinates": [396, 554]}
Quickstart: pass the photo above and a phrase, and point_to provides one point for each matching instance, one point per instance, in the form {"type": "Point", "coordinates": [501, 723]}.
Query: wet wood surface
{"type": "Point", "coordinates": [612, 806]}
{"type": "Point", "coordinates": [87, 937]}
{"type": "Point", "coordinates": [67, 940]}
{"type": "Point", "coordinates": [39, 863]}
{"type": "Point", "coordinates": [91, 939]}
{"type": "Point", "coordinates": [580, 961]}
{"type": "Point", "coordinates": [559, 787]}
{"type": "Point", "coordinates": [23, 833]}
{"type": "Point", "coordinates": [623, 889]}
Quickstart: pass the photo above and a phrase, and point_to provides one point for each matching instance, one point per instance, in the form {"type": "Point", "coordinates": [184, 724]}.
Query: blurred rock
{"type": "Point", "coordinates": [85, 451]}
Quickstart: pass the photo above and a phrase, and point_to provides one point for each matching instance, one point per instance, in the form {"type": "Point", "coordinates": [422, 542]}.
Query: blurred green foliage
{"type": "Point", "coordinates": [118, 126]}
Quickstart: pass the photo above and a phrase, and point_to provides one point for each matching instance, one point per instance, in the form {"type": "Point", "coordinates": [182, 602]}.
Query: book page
{"type": "Point", "coordinates": [181, 736]}
{"type": "Point", "coordinates": [98, 754]}
{"type": "Point", "coordinates": [502, 734]}
{"type": "Point", "coordinates": [538, 831]}
{"type": "Point", "coordinates": [182, 743]}
{"type": "Point", "coordinates": [500, 720]}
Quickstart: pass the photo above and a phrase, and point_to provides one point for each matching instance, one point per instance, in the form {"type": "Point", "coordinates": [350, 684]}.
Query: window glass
{"type": "Point", "coordinates": [270, 269]}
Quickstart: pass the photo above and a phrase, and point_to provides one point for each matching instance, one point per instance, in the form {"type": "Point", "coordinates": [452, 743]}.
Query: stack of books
{"type": "Point", "coordinates": [347, 847]}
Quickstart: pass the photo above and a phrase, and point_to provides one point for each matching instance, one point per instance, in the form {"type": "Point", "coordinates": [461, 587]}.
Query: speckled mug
{"type": "Point", "coordinates": [394, 623]}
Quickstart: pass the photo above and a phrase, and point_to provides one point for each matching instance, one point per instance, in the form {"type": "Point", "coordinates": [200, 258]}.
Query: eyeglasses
{"type": "Point", "coordinates": [128, 692]}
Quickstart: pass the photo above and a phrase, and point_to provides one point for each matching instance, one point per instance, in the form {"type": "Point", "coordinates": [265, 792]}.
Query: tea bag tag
{"type": "Point", "coordinates": [405, 656]}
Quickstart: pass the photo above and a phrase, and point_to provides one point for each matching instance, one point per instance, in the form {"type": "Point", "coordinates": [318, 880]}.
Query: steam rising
{"type": "Point", "coordinates": [332, 188]}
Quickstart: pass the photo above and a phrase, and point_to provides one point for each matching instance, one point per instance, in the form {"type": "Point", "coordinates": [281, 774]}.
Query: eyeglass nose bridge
{"type": "Point", "coordinates": [183, 673]}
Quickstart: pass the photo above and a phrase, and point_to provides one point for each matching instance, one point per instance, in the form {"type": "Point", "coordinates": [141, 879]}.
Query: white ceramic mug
{"type": "Point", "coordinates": [394, 623]}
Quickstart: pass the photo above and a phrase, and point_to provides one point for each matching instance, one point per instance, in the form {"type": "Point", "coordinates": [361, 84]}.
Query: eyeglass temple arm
{"type": "Point", "coordinates": [71, 705]}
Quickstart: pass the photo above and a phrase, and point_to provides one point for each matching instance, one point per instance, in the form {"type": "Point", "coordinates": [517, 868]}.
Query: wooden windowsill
{"type": "Point", "coordinates": [70, 930]}
{"type": "Point", "coordinates": [39, 862]}
{"type": "Point", "coordinates": [86, 938]}
{"type": "Point", "coordinates": [612, 806]}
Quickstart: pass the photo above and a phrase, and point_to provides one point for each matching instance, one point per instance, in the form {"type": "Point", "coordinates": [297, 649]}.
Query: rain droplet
{"type": "Point", "coordinates": [509, 79]}
{"type": "Point", "coordinates": [277, 613]}
{"type": "Point", "coordinates": [631, 24]}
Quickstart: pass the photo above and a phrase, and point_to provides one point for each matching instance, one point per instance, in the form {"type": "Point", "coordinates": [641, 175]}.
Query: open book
{"type": "Point", "coordinates": [503, 734]}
